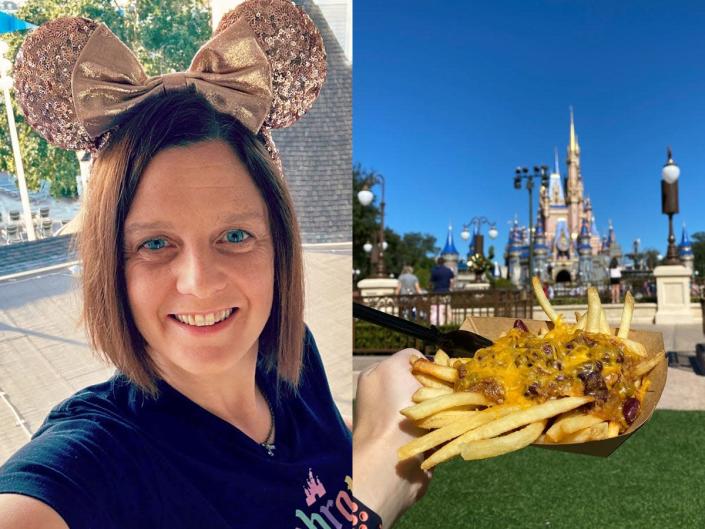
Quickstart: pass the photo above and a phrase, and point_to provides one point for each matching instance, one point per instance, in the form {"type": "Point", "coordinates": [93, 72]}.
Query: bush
{"type": "Point", "coordinates": [372, 339]}
{"type": "Point", "coordinates": [502, 282]}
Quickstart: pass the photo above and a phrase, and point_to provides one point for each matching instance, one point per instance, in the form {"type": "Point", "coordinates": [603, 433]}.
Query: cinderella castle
{"type": "Point", "coordinates": [567, 244]}
{"type": "Point", "coordinates": [568, 248]}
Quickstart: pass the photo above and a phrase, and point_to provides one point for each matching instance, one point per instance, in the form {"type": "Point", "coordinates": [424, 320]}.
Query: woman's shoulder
{"type": "Point", "coordinates": [84, 443]}
{"type": "Point", "coordinates": [89, 424]}
{"type": "Point", "coordinates": [93, 407]}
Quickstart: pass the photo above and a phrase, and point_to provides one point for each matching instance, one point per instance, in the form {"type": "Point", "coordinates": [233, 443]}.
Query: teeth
{"type": "Point", "coordinates": [203, 320]}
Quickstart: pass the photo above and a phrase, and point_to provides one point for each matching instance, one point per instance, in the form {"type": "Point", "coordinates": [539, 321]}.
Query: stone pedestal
{"type": "Point", "coordinates": [467, 281]}
{"type": "Point", "coordinates": [673, 295]}
{"type": "Point", "coordinates": [377, 286]}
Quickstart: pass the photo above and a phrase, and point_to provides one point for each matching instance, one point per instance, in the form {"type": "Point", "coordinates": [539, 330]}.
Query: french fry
{"type": "Point", "coordinates": [604, 327]}
{"type": "Point", "coordinates": [593, 433]}
{"type": "Point", "coordinates": [647, 365]}
{"type": "Point", "coordinates": [635, 347]}
{"type": "Point", "coordinates": [505, 424]}
{"type": "Point", "coordinates": [570, 424]}
{"type": "Point", "coordinates": [543, 300]}
{"type": "Point", "coordinates": [612, 429]}
{"type": "Point", "coordinates": [593, 311]}
{"type": "Point", "coordinates": [441, 358]}
{"type": "Point", "coordinates": [502, 445]}
{"type": "Point", "coordinates": [451, 431]}
{"type": "Point", "coordinates": [452, 448]}
{"type": "Point", "coordinates": [627, 313]}
{"type": "Point", "coordinates": [431, 382]}
{"type": "Point", "coordinates": [424, 393]}
{"type": "Point", "coordinates": [545, 410]}
{"type": "Point", "coordinates": [429, 407]}
{"type": "Point", "coordinates": [449, 374]}
{"type": "Point", "coordinates": [442, 418]}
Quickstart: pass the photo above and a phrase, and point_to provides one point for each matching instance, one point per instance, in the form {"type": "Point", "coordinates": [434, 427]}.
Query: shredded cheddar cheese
{"type": "Point", "coordinates": [522, 368]}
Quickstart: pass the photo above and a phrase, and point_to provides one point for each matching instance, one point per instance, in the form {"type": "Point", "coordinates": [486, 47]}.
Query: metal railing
{"type": "Point", "coordinates": [441, 310]}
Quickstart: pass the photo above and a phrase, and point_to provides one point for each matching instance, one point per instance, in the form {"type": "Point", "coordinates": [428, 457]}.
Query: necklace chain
{"type": "Point", "coordinates": [269, 447]}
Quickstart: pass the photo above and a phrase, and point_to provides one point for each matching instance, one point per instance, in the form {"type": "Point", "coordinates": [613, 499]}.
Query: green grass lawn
{"type": "Point", "coordinates": [656, 479]}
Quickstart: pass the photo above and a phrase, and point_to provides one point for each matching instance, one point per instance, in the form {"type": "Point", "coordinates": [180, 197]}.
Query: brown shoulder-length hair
{"type": "Point", "coordinates": [180, 118]}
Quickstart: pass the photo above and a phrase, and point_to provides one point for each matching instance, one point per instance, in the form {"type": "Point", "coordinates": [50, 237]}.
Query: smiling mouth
{"type": "Point", "coordinates": [204, 320]}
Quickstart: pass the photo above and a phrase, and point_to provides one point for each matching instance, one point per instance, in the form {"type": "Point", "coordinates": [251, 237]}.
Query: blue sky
{"type": "Point", "coordinates": [450, 96]}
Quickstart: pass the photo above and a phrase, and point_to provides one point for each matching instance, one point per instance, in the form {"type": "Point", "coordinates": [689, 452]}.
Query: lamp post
{"type": "Point", "coordinates": [365, 197]}
{"type": "Point", "coordinates": [477, 240]}
{"type": "Point", "coordinates": [636, 243]}
{"type": "Point", "coordinates": [523, 173]}
{"type": "Point", "coordinates": [6, 84]}
{"type": "Point", "coordinates": [669, 204]}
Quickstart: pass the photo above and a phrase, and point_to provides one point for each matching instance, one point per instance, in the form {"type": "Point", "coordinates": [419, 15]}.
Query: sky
{"type": "Point", "coordinates": [450, 96]}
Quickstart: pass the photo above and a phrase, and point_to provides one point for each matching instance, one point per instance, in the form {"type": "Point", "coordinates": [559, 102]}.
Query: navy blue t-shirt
{"type": "Point", "coordinates": [110, 457]}
{"type": "Point", "coordinates": [440, 278]}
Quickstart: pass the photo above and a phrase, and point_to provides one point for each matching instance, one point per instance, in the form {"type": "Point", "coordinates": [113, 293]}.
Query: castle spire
{"type": "Point", "coordinates": [573, 140]}
{"type": "Point", "coordinates": [449, 248]}
{"type": "Point", "coordinates": [556, 169]}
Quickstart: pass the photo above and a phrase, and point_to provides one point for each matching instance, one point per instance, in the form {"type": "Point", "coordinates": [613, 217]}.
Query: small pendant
{"type": "Point", "coordinates": [269, 447]}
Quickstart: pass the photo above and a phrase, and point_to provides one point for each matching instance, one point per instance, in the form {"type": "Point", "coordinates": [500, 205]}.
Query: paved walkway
{"type": "Point", "coordinates": [44, 356]}
{"type": "Point", "coordinates": [685, 390]}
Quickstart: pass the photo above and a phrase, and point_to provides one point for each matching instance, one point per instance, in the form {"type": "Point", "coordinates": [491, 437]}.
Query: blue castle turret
{"type": "Point", "coordinates": [450, 252]}
{"type": "Point", "coordinates": [584, 253]}
{"type": "Point", "coordinates": [540, 263]}
{"type": "Point", "coordinates": [685, 250]}
{"type": "Point", "coordinates": [514, 250]}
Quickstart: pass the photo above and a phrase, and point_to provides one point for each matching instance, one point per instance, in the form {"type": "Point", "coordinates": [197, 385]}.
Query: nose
{"type": "Point", "coordinates": [198, 273]}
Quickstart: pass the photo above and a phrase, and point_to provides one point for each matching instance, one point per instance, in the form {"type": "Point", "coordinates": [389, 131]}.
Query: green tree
{"type": "Point", "coordinates": [651, 258]}
{"type": "Point", "coordinates": [408, 249]}
{"type": "Point", "coordinates": [365, 222]}
{"type": "Point", "coordinates": [163, 34]}
{"type": "Point", "coordinates": [414, 249]}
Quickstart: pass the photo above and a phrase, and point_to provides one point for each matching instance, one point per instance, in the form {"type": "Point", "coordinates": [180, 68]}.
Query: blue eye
{"type": "Point", "coordinates": [154, 244]}
{"type": "Point", "coordinates": [237, 236]}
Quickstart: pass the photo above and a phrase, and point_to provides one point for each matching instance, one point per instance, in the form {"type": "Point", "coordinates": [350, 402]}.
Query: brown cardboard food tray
{"type": "Point", "coordinates": [493, 328]}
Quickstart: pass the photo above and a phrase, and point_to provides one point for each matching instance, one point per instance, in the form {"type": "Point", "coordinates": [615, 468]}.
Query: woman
{"type": "Point", "coordinates": [219, 414]}
{"type": "Point", "coordinates": [615, 280]}
{"type": "Point", "coordinates": [408, 282]}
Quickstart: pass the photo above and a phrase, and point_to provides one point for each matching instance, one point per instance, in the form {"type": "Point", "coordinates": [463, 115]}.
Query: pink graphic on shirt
{"type": "Point", "coordinates": [314, 489]}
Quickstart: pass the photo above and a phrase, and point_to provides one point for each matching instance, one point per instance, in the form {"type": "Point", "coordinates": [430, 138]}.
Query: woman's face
{"type": "Point", "coordinates": [198, 249]}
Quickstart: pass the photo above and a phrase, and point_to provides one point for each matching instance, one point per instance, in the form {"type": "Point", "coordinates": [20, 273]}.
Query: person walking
{"type": "Point", "coordinates": [615, 280]}
{"type": "Point", "coordinates": [441, 277]}
{"type": "Point", "coordinates": [408, 282]}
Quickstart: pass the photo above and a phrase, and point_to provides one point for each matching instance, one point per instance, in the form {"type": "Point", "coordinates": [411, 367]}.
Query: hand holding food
{"type": "Point", "coordinates": [571, 383]}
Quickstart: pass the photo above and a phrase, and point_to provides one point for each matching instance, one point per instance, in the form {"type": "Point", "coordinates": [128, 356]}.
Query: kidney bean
{"type": "Point", "coordinates": [630, 409]}
{"type": "Point", "coordinates": [532, 390]}
{"type": "Point", "coordinates": [518, 324]}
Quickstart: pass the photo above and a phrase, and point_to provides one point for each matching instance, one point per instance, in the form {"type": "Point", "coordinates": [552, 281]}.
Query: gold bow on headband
{"type": "Point", "coordinates": [264, 66]}
{"type": "Point", "coordinates": [230, 70]}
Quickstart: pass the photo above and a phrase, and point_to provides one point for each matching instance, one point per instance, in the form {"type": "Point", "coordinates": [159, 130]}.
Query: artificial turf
{"type": "Point", "coordinates": [656, 479]}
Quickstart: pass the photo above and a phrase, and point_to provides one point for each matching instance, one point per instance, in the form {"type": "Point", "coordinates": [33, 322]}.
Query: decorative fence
{"type": "Point", "coordinates": [446, 311]}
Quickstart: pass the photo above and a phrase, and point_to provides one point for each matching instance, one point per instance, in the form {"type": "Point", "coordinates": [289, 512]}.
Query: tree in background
{"type": "Point", "coordinates": [413, 248]}
{"type": "Point", "coordinates": [163, 34]}
{"type": "Point", "coordinates": [365, 222]}
{"type": "Point", "coordinates": [651, 258]}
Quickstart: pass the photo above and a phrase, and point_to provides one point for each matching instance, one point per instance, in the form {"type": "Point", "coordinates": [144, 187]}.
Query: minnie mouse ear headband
{"type": "Point", "coordinates": [264, 65]}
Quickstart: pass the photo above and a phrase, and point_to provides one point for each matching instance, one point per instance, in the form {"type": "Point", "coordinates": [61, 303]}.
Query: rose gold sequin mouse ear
{"type": "Point", "coordinates": [295, 50]}
{"type": "Point", "coordinates": [43, 70]}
